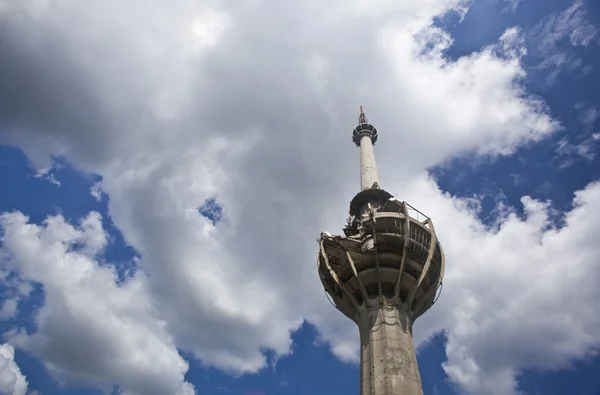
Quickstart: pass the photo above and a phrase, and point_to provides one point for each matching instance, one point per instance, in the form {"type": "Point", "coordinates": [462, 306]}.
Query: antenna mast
{"type": "Point", "coordinates": [362, 118]}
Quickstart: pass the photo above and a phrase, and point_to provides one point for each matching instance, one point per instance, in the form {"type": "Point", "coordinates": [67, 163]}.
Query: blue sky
{"type": "Point", "coordinates": [211, 187]}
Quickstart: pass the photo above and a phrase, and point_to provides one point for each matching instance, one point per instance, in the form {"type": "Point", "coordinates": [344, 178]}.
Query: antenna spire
{"type": "Point", "coordinates": [362, 118]}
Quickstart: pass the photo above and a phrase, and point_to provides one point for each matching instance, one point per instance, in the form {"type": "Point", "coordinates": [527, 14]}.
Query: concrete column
{"type": "Point", "coordinates": [368, 167]}
{"type": "Point", "coordinates": [388, 360]}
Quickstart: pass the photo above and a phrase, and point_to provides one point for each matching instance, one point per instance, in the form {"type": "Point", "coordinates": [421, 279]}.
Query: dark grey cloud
{"type": "Point", "coordinates": [45, 97]}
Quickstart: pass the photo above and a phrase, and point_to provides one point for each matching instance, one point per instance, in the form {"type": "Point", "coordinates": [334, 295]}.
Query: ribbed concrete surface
{"type": "Point", "coordinates": [388, 358]}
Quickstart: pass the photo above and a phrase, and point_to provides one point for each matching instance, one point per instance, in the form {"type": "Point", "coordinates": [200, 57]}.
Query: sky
{"type": "Point", "coordinates": [166, 167]}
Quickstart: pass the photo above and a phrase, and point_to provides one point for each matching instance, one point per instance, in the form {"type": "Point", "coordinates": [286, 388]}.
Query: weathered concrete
{"type": "Point", "coordinates": [383, 275]}
{"type": "Point", "coordinates": [368, 167]}
{"type": "Point", "coordinates": [388, 362]}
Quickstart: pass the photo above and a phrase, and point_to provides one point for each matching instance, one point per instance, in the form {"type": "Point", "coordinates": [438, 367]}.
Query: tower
{"type": "Point", "coordinates": [383, 274]}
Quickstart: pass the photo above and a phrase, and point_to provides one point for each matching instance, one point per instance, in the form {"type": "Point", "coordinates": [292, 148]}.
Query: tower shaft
{"type": "Point", "coordinates": [368, 167]}
{"type": "Point", "coordinates": [388, 363]}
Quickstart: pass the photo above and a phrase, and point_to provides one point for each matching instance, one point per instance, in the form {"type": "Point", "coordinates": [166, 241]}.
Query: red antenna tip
{"type": "Point", "coordinates": [361, 110]}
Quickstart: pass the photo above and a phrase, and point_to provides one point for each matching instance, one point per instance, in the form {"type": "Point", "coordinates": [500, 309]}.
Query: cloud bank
{"type": "Point", "coordinates": [12, 381]}
{"type": "Point", "coordinates": [175, 104]}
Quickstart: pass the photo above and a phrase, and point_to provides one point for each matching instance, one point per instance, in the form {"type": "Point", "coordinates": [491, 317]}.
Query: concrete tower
{"type": "Point", "coordinates": [383, 274]}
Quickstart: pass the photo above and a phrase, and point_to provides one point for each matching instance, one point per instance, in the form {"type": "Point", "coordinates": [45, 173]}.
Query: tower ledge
{"type": "Point", "coordinates": [388, 258]}
{"type": "Point", "coordinates": [364, 129]}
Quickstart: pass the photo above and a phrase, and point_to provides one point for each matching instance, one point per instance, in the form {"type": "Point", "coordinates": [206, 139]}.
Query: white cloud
{"type": "Point", "coordinates": [209, 28]}
{"type": "Point", "coordinates": [259, 117]}
{"type": "Point", "coordinates": [53, 180]}
{"type": "Point", "coordinates": [518, 297]}
{"type": "Point", "coordinates": [552, 40]}
{"type": "Point", "coordinates": [588, 116]}
{"type": "Point", "coordinates": [9, 308]}
{"type": "Point", "coordinates": [582, 142]}
{"type": "Point", "coordinates": [512, 5]}
{"type": "Point", "coordinates": [12, 381]}
{"type": "Point", "coordinates": [566, 151]}
{"type": "Point", "coordinates": [96, 191]}
{"type": "Point", "coordinates": [571, 24]}
{"type": "Point", "coordinates": [45, 173]}
{"type": "Point", "coordinates": [90, 328]}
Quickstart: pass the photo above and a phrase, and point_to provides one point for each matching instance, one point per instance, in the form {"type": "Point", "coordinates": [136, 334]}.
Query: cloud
{"type": "Point", "coordinates": [90, 329]}
{"type": "Point", "coordinates": [175, 105]}
{"type": "Point", "coordinates": [583, 140]}
{"type": "Point", "coordinates": [571, 24]}
{"type": "Point", "coordinates": [12, 381]}
{"type": "Point", "coordinates": [566, 151]}
{"type": "Point", "coordinates": [96, 191]}
{"type": "Point", "coordinates": [49, 177]}
{"type": "Point", "coordinates": [515, 297]}
{"type": "Point", "coordinates": [511, 5]}
{"type": "Point", "coordinates": [587, 116]}
{"type": "Point", "coordinates": [552, 41]}
{"type": "Point", "coordinates": [9, 308]}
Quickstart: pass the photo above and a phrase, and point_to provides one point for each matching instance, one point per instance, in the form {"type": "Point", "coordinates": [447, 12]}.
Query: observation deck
{"type": "Point", "coordinates": [364, 129]}
{"type": "Point", "coordinates": [391, 256]}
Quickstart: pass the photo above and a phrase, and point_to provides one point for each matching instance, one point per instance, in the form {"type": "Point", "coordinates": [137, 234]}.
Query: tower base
{"type": "Point", "coordinates": [388, 360]}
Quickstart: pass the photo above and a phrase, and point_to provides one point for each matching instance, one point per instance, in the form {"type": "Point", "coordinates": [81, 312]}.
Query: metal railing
{"type": "Point", "coordinates": [413, 212]}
